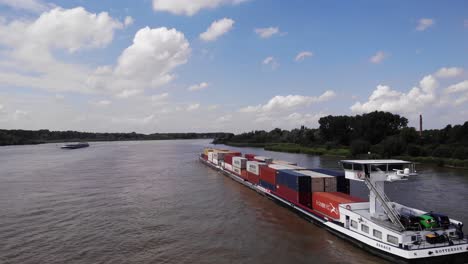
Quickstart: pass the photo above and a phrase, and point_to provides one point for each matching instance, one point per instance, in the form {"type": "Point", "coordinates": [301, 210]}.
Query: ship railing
{"type": "Point", "coordinates": [386, 204]}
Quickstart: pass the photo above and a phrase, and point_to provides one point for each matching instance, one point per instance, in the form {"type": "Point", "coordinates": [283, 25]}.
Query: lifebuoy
{"type": "Point", "coordinates": [348, 207]}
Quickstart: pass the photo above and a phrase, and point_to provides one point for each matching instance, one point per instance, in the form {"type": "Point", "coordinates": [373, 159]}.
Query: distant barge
{"type": "Point", "coordinates": [384, 228]}
{"type": "Point", "coordinates": [75, 145]}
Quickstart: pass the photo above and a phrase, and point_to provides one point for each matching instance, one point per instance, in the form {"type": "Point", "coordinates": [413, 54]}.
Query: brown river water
{"type": "Point", "coordinates": [154, 202]}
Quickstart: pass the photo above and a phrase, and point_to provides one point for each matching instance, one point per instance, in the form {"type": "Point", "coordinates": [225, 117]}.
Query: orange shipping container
{"type": "Point", "coordinates": [328, 203]}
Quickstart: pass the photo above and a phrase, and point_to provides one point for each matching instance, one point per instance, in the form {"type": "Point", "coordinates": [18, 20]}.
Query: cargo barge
{"type": "Point", "coordinates": [385, 228]}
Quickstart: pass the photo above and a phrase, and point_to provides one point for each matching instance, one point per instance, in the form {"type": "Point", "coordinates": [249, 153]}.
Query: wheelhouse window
{"type": "Point", "coordinates": [392, 239]}
{"type": "Point", "coordinates": [377, 234]}
{"type": "Point", "coordinates": [354, 224]}
{"type": "Point", "coordinates": [347, 166]}
{"type": "Point", "coordinates": [392, 167]}
{"type": "Point", "coordinates": [365, 229]}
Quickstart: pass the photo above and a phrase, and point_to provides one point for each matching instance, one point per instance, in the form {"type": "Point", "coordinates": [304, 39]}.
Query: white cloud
{"type": "Point", "coordinates": [35, 6]}
{"type": "Point", "coordinates": [302, 55]}
{"type": "Point", "coordinates": [424, 23]}
{"type": "Point", "coordinates": [224, 118]}
{"type": "Point", "coordinates": [103, 103]}
{"type": "Point", "coordinates": [159, 97]}
{"type": "Point", "coordinates": [198, 87]}
{"type": "Point", "coordinates": [449, 72]}
{"type": "Point", "coordinates": [213, 107]}
{"type": "Point", "coordinates": [192, 107]}
{"type": "Point", "coordinates": [128, 21]}
{"type": "Point", "coordinates": [267, 32]}
{"type": "Point", "coordinates": [386, 99]}
{"type": "Point", "coordinates": [378, 57]}
{"type": "Point", "coordinates": [217, 29]}
{"type": "Point", "coordinates": [459, 87]}
{"type": "Point", "coordinates": [190, 7]}
{"type": "Point", "coordinates": [270, 61]}
{"type": "Point", "coordinates": [128, 93]}
{"type": "Point", "coordinates": [29, 60]}
{"type": "Point", "coordinates": [279, 102]}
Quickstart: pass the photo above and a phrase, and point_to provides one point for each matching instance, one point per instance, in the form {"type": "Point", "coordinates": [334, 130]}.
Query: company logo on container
{"type": "Point", "coordinates": [328, 207]}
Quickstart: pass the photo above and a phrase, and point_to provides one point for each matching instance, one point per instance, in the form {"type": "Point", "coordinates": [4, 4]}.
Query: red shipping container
{"type": "Point", "coordinates": [268, 174]}
{"type": "Point", "coordinates": [228, 158]}
{"type": "Point", "coordinates": [244, 174]}
{"type": "Point", "coordinates": [287, 193]}
{"type": "Point", "coordinates": [251, 177]}
{"type": "Point", "coordinates": [328, 202]}
{"type": "Point", "coordinates": [205, 157]}
{"type": "Point", "coordinates": [238, 154]}
{"type": "Point", "coordinates": [303, 198]}
{"type": "Point", "coordinates": [249, 156]}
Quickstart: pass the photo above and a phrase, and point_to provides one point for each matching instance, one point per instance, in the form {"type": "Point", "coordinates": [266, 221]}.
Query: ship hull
{"type": "Point", "coordinates": [337, 228]}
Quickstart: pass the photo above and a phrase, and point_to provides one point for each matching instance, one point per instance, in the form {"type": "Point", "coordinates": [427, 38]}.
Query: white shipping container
{"type": "Point", "coordinates": [215, 161]}
{"type": "Point", "coordinates": [254, 167]}
{"type": "Point", "coordinates": [236, 170]}
{"type": "Point", "coordinates": [228, 166]}
{"type": "Point", "coordinates": [264, 159]}
{"type": "Point", "coordinates": [210, 156]}
{"type": "Point", "coordinates": [239, 162]}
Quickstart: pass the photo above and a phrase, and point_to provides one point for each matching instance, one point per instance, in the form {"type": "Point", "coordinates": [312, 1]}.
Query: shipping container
{"type": "Point", "coordinates": [228, 158]}
{"type": "Point", "coordinates": [215, 161]}
{"type": "Point", "coordinates": [263, 159]}
{"type": "Point", "coordinates": [321, 182]}
{"type": "Point", "coordinates": [249, 156]}
{"type": "Point", "coordinates": [253, 178]}
{"type": "Point", "coordinates": [342, 184]}
{"type": "Point", "coordinates": [228, 166]}
{"type": "Point", "coordinates": [254, 166]}
{"type": "Point", "coordinates": [303, 198]}
{"type": "Point", "coordinates": [205, 157]}
{"type": "Point", "coordinates": [328, 203]}
{"type": "Point", "coordinates": [268, 174]}
{"type": "Point", "coordinates": [210, 156]}
{"type": "Point", "coordinates": [239, 162]}
{"type": "Point", "coordinates": [219, 155]}
{"type": "Point", "coordinates": [282, 162]}
{"type": "Point", "coordinates": [236, 170]}
{"type": "Point", "coordinates": [267, 185]}
{"type": "Point", "coordinates": [278, 167]}
{"type": "Point", "coordinates": [244, 174]}
{"type": "Point", "coordinates": [293, 180]}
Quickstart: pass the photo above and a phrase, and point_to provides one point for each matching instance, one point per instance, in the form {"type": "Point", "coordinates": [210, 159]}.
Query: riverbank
{"type": "Point", "coordinates": [346, 153]}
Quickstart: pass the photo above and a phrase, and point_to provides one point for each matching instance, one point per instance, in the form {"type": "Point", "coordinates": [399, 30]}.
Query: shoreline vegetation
{"type": "Point", "coordinates": [374, 135]}
{"type": "Point", "coordinates": [32, 137]}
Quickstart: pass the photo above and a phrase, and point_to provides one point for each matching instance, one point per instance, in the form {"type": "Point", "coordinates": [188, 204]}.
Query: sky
{"type": "Point", "coordinates": [154, 66]}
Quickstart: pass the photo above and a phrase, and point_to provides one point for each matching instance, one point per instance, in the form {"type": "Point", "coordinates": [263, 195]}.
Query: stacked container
{"type": "Point", "coordinates": [249, 156]}
{"type": "Point", "coordinates": [239, 162]}
{"type": "Point", "coordinates": [328, 203]}
{"type": "Point", "coordinates": [267, 178]}
{"type": "Point", "coordinates": [263, 159]}
{"type": "Point", "coordinates": [342, 184]}
{"type": "Point", "coordinates": [253, 171]}
{"type": "Point", "coordinates": [320, 182]}
{"type": "Point", "coordinates": [294, 186]}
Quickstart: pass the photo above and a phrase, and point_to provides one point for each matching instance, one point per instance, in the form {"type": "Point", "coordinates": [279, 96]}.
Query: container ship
{"type": "Point", "coordinates": [322, 196]}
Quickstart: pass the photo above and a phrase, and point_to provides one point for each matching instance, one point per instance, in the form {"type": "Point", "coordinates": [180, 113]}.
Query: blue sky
{"type": "Point", "coordinates": [148, 66]}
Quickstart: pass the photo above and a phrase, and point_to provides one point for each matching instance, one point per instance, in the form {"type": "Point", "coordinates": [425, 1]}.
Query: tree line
{"type": "Point", "coordinates": [383, 134]}
{"type": "Point", "coordinates": [22, 137]}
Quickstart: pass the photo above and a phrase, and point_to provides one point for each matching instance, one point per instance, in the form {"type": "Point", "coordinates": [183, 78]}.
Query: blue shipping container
{"type": "Point", "coordinates": [267, 185]}
{"type": "Point", "coordinates": [293, 180]}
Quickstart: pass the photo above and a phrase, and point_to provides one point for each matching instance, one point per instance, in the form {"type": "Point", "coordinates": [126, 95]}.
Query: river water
{"type": "Point", "coordinates": [154, 202]}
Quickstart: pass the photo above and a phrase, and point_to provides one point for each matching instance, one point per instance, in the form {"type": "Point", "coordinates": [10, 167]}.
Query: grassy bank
{"type": "Point", "coordinates": [295, 148]}
{"type": "Point", "coordinates": [442, 162]}
{"type": "Point", "coordinates": [345, 152]}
